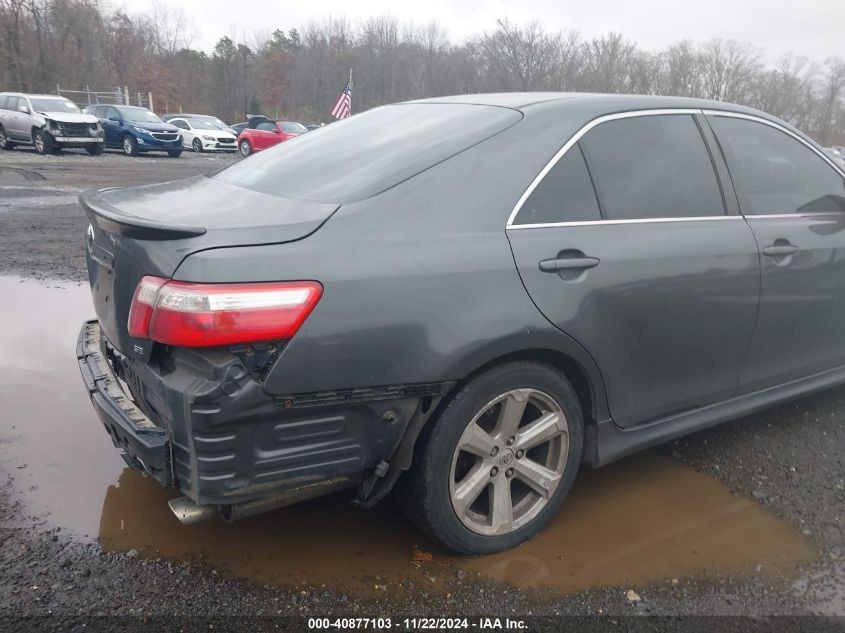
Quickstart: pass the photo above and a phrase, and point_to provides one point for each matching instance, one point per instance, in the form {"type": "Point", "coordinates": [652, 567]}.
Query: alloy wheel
{"type": "Point", "coordinates": [509, 462]}
{"type": "Point", "coordinates": [3, 139]}
{"type": "Point", "coordinates": [39, 143]}
{"type": "Point", "coordinates": [245, 148]}
{"type": "Point", "coordinates": [127, 145]}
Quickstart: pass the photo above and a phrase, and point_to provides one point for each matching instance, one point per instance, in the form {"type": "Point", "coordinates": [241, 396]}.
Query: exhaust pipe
{"type": "Point", "coordinates": [189, 513]}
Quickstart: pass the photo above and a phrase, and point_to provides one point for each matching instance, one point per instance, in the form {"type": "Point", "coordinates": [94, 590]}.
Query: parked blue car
{"type": "Point", "coordinates": [135, 130]}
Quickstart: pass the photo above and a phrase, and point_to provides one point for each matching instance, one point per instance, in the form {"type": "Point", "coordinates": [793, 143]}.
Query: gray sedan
{"type": "Point", "coordinates": [463, 299]}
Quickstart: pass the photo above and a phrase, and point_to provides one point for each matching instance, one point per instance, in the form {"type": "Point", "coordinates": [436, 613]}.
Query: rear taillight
{"type": "Point", "coordinates": [205, 315]}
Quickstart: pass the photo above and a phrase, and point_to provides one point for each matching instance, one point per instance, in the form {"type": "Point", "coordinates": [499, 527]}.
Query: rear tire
{"type": "Point", "coordinates": [478, 472]}
{"type": "Point", "coordinates": [130, 145]}
{"type": "Point", "coordinates": [174, 153]}
{"type": "Point", "coordinates": [5, 143]}
{"type": "Point", "coordinates": [43, 143]}
{"type": "Point", "coordinates": [245, 148]}
{"type": "Point", "coordinates": [95, 149]}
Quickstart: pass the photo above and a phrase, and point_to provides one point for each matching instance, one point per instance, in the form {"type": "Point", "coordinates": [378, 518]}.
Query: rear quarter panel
{"type": "Point", "coordinates": [420, 283]}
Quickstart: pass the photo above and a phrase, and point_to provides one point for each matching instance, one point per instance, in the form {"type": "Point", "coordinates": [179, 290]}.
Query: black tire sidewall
{"type": "Point", "coordinates": [434, 467]}
{"type": "Point", "coordinates": [197, 145]}
{"type": "Point", "coordinates": [249, 146]}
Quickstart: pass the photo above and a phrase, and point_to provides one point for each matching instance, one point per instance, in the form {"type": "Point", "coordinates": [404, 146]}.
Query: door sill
{"type": "Point", "coordinates": [614, 442]}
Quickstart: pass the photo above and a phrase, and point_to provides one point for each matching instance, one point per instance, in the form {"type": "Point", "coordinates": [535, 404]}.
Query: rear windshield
{"type": "Point", "coordinates": [368, 153]}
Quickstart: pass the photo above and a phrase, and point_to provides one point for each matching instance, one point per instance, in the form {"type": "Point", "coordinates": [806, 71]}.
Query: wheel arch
{"type": "Point", "coordinates": [560, 352]}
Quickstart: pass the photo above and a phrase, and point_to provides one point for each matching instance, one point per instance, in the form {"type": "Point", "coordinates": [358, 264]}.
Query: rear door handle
{"type": "Point", "coordinates": [568, 263]}
{"type": "Point", "coordinates": [780, 250]}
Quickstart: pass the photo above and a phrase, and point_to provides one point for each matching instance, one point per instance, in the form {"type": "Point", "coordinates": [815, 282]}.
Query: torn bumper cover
{"type": "Point", "coordinates": [144, 445]}
{"type": "Point", "coordinates": [200, 420]}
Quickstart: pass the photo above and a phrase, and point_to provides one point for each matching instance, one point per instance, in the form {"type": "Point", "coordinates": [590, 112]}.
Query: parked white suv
{"type": "Point", "coordinates": [47, 122]}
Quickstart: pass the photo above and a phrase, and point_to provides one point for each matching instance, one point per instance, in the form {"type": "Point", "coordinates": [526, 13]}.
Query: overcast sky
{"type": "Point", "coordinates": [815, 28]}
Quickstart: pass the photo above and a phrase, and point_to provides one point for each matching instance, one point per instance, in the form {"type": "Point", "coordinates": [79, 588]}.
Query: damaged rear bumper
{"type": "Point", "coordinates": [201, 420]}
{"type": "Point", "coordinates": [144, 445]}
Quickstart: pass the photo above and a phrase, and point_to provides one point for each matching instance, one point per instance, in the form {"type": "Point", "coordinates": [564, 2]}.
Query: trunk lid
{"type": "Point", "coordinates": [149, 231]}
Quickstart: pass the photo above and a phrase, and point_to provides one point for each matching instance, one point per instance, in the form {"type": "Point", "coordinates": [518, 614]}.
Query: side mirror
{"type": "Point", "coordinates": [115, 119]}
{"type": "Point", "coordinates": [276, 130]}
{"type": "Point", "coordinates": [23, 109]}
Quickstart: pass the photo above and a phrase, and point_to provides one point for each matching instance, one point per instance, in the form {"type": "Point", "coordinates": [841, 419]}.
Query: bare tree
{"type": "Point", "coordinates": [293, 72]}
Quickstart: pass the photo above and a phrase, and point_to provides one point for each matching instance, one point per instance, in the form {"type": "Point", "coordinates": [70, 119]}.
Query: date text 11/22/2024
{"type": "Point", "coordinates": [418, 623]}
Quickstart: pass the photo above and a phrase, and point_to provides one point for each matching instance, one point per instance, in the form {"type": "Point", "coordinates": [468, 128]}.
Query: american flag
{"type": "Point", "coordinates": [343, 107]}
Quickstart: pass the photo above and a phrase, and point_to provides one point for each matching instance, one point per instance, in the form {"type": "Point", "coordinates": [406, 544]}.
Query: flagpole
{"type": "Point", "coordinates": [350, 90]}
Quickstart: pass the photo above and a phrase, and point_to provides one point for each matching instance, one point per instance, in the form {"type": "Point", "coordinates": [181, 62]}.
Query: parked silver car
{"type": "Point", "coordinates": [47, 122]}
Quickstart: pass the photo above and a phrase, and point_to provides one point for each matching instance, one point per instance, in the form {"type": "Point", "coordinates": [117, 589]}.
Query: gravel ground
{"type": "Point", "coordinates": [788, 459]}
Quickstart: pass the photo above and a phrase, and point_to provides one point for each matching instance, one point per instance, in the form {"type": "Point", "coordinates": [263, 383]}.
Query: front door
{"type": "Point", "coordinates": [794, 200]}
{"type": "Point", "coordinates": [629, 246]}
{"type": "Point", "coordinates": [265, 135]}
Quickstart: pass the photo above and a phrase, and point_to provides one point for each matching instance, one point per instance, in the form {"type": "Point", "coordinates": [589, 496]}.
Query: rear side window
{"type": "Point", "coordinates": [775, 173]}
{"type": "Point", "coordinates": [368, 153]}
{"type": "Point", "coordinates": [3, 102]}
{"type": "Point", "coordinates": [565, 194]}
{"type": "Point", "coordinates": [266, 126]}
{"type": "Point", "coordinates": [653, 167]}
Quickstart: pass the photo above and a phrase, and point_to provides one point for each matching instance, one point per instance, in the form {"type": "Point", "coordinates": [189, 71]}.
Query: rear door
{"type": "Point", "coordinates": [628, 245]}
{"type": "Point", "coordinates": [794, 200]}
{"type": "Point", "coordinates": [18, 128]}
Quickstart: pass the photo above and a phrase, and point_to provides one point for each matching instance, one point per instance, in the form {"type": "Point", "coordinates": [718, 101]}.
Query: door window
{"type": "Point", "coordinates": [180, 124]}
{"type": "Point", "coordinates": [266, 126]}
{"type": "Point", "coordinates": [774, 173]}
{"type": "Point", "coordinates": [565, 194]}
{"type": "Point", "coordinates": [655, 166]}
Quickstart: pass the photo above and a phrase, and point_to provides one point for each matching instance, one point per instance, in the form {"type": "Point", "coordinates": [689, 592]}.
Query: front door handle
{"type": "Point", "coordinates": [568, 263]}
{"type": "Point", "coordinates": [779, 249]}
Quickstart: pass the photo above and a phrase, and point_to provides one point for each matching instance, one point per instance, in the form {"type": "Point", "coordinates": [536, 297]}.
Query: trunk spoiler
{"type": "Point", "coordinates": [112, 219]}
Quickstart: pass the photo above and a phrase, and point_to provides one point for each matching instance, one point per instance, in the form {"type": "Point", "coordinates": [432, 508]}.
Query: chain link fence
{"type": "Point", "coordinates": [119, 95]}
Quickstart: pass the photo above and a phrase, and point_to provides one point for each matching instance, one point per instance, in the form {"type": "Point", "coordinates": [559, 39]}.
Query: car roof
{"type": "Point", "coordinates": [28, 94]}
{"type": "Point", "coordinates": [599, 104]}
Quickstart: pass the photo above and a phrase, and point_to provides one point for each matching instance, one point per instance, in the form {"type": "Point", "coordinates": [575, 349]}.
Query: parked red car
{"type": "Point", "coordinates": [266, 134]}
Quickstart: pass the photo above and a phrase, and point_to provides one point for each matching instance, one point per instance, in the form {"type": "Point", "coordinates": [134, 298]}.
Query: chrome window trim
{"type": "Point", "coordinates": [638, 113]}
{"type": "Point", "coordinates": [774, 216]}
{"type": "Point", "coordinates": [703, 218]}
{"type": "Point", "coordinates": [777, 126]}
{"type": "Point", "coordinates": [570, 143]}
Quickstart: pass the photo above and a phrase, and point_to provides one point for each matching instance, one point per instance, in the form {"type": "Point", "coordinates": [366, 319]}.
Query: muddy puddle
{"type": "Point", "coordinates": [646, 519]}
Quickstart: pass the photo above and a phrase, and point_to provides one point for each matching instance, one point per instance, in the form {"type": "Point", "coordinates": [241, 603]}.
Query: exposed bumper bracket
{"type": "Point", "coordinates": [143, 444]}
